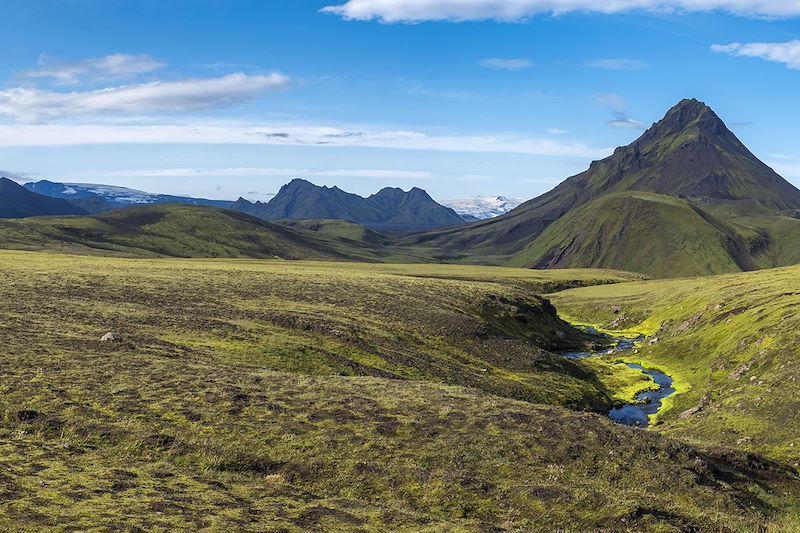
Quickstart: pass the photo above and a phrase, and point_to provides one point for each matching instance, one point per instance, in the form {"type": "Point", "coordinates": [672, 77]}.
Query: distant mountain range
{"type": "Point", "coordinates": [389, 209]}
{"type": "Point", "coordinates": [483, 207]}
{"type": "Point", "coordinates": [686, 198]}
{"type": "Point", "coordinates": [101, 198]}
{"type": "Point", "coordinates": [18, 202]}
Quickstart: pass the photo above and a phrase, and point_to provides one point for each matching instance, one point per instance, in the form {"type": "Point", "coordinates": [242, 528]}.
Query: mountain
{"type": "Point", "coordinates": [690, 156]}
{"type": "Point", "coordinates": [95, 198]}
{"type": "Point", "coordinates": [483, 207]}
{"type": "Point", "coordinates": [18, 202]}
{"type": "Point", "coordinates": [390, 209]}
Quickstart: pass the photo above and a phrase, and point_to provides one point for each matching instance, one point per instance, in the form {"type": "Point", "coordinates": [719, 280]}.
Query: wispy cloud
{"type": "Point", "coordinates": [557, 131]}
{"type": "Point", "coordinates": [498, 63]}
{"type": "Point", "coordinates": [626, 123]}
{"type": "Point", "coordinates": [619, 109]}
{"type": "Point", "coordinates": [287, 173]}
{"type": "Point", "coordinates": [414, 11]}
{"type": "Point", "coordinates": [787, 53]}
{"type": "Point", "coordinates": [59, 134]}
{"type": "Point", "coordinates": [32, 105]}
{"type": "Point", "coordinates": [617, 64]}
{"type": "Point", "coordinates": [418, 90]}
{"type": "Point", "coordinates": [106, 68]}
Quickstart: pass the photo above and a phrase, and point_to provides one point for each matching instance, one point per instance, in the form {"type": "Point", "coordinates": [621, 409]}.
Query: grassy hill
{"type": "Point", "coordinates": [731, 342]}
{"type": "Point", "coordinates": [640, 232]}
{"type": "Point", "coordinates": [190, 231]}
{"type": "Point", "coordinates": [255, 395]}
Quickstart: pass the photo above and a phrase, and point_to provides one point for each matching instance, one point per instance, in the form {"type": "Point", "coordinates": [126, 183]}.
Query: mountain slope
{"type": "Point", "coordinates": [640, 232]}
{"type": "Point", "coordinates": [390, 209]}
{"type": "Point", "coordinates": [101, 198]}
{"type": "Point", "coordinates": [17, 202]}
{"type": "Point", "coordinates": [689, 154]}
{"type": "Point", "coordinates": [184, 231]}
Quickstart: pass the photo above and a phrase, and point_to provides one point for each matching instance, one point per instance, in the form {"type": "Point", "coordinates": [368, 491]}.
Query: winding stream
{"type": "Point", "coordinates": [648, 402]}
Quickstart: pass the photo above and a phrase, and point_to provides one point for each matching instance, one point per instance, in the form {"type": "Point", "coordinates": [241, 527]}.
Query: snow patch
{"type": "Point", "coordinates": [483, 207]}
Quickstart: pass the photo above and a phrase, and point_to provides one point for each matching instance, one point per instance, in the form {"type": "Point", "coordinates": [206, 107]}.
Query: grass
{"type": "Point", "coordinates": [291, 396]}
{"type": "Point", "coordinates": [658, 235]}
{"type": "Point", "coordinates": [730, 342]}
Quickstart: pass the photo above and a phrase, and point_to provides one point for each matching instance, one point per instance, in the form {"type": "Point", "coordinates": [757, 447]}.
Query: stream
{"type": "Point", "coordinates": [648, 402]}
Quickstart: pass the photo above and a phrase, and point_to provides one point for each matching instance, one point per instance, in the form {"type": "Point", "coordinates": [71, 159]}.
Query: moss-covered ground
{"type": "Point", "coordinates": [731, 343]}
{"type": "Point", "coordinates": [278, 396]}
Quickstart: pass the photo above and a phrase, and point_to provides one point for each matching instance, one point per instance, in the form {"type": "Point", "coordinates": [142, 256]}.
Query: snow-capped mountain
{"type": "Point", "coordinates": [97, 198]}
{"type": "Point", "coordinates": [483, 207]}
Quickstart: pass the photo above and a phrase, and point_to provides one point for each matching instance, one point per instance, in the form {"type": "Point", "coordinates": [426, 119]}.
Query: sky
{"type": "Point", "coordinates": [229, 98]}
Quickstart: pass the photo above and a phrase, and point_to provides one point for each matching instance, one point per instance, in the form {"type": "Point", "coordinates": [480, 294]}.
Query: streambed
{"type": "Point", "coordinates": [648, 402]}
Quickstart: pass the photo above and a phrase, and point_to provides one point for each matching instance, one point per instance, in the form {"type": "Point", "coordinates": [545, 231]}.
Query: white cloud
{"type": "Point", "coordinates": [110, 67]}
{"type": "Point", "coordinates": [31, 105]}
{"type": "Point", "coordinates": [628, 123]}
{"type": "Point", "coordinates": [14, 135]}
{"type": "Point", "coordinates": [506, 64]}
{"type": "Point", "coordinates": [255, 172]}
{"type": "Point", "coordinates": [617, 64]}
{"type": "Point", "coordinates": [412, 11]}
{"type": "Point", "coordinates": [556, 131]}
{"type": "Point", "coordinates": [787, 53]}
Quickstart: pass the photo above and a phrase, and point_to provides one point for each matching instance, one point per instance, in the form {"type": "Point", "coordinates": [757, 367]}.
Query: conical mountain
{"type": "Point", "coordinates": [690, 156]}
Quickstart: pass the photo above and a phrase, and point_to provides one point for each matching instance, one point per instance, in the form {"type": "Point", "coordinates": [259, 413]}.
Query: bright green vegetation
{"type": "Point", "coordinates": [639, 232]}
{"type": "Point", "coordinates": [686, 198]}
{"type": "Point", "coordinates": [270, 395]}
{"type": "Point", "coordinates": [193, 231]}
{"type": "Point", "coordinates": [730, 342]}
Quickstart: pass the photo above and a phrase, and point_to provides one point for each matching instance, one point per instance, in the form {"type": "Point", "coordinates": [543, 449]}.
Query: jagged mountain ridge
{"type": "Point", "coordinates": [390, 209]}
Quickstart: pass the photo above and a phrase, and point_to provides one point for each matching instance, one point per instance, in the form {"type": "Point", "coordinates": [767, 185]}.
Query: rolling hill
{"type": "Point", "coordinates": [17, 202]}
{"type": "Point", "coordinates": [188, 231]}
{"type": "Point", "coordinates": [690, 158]}
{"type": "Point", "coordinates": [390, 209]}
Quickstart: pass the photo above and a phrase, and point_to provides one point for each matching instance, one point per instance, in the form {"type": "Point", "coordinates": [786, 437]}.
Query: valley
{"type": "Point", "coordinates": [252, 394]}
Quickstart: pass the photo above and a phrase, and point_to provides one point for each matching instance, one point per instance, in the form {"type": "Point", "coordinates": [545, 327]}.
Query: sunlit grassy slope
{"type": "Point", "coordinates": [252, 395]}
{"type": "Point", "coordinates": [195, 231]}
{"type": "Point", "coordinates": [733, 340]}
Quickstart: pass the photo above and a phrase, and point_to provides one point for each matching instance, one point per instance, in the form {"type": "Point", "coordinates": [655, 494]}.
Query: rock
{"type": "Point", "coordinates": [653, 341]}
{"type": "Point", "coordinates": [688, 413]}
{"type": "Point", "coordinates": [109, 337]}
{"type": "Point", "coordinates": [740, 371]}
{"type": "Point", "coordinates": [616, 310]}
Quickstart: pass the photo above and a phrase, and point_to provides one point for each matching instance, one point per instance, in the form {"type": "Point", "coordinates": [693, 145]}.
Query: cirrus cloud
{"type": "Point", "coordinates": [787, 53]}
{"type": "Point", "coordinates": [33, 105]}
{"type": "Point", "coordinates": [110, 67]}
{"type": "Point", "coordinates": [617, 64]}
{"type": "Point", "coordinates": [506, 64]}
{"type": "Point", "coordinates": [221, 133]}
{"type": "Point", "coordinates": [412, 11]}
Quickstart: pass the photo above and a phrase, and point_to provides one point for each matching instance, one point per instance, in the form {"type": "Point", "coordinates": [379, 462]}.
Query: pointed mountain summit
{"type": "Point", "coordinates": [689, 153]}
{"type": "Point", "coordinates": [686, 171]}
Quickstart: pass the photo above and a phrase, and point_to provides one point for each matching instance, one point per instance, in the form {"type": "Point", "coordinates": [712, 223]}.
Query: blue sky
{"type": "Point", "coordinates": [462, 97]}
